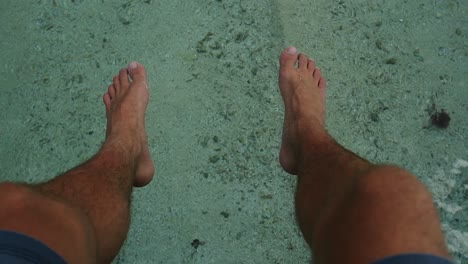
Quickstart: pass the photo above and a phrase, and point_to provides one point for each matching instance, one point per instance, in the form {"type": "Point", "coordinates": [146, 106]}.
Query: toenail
{"type": "Point", "coordinates": [132, 65]}
{"type": "Point", "coordinates": [292, 50]}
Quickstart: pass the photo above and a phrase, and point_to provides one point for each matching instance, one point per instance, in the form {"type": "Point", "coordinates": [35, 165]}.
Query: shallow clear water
{"type": "Point", "coordinates": [215, 114]}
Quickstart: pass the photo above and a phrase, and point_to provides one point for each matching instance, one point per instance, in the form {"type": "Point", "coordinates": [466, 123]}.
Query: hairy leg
{"type": "Point", "coordinates": [90, 203]}
{"type": "Point", "coordinates": [101, 189]}
{"type": "Point", "coordinates": [349, 210]}
{"type": "Point", "coordinates": [53, 221]}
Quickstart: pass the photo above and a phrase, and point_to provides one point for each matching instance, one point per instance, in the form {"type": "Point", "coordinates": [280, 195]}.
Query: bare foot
{"type": "Point", "coordinates": [126, 101]}
{"type": "Point", "coordinates": [303, 90]}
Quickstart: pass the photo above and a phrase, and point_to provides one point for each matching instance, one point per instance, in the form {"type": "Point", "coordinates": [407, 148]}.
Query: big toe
{"type": "Point", "coordinates": [288, 58]}
{"type": "Point", "coordinates": [137, 72]}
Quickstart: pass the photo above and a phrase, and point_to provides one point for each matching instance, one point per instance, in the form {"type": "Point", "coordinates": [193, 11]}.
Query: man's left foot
{"type": "Point", "coordinates": [126, 102]}
{"type": "Point", "coordinates": [302, 87]}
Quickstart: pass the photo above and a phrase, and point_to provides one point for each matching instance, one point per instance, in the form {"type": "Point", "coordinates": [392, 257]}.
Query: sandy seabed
{"type": "Point", "coordinates": [215, 114]}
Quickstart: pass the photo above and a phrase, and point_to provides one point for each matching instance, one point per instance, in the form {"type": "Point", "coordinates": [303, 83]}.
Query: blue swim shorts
{"type": "Point", "coordinates": [16, 248]}
{"type": "Point", "coordinates": [413, 259]}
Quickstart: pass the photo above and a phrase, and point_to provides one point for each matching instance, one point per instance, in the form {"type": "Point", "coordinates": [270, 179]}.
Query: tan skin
{"type": "Point", "coordinates": [349, 210]}
{"type": "Point", "coordinates": [344, 203]}
{"type": "Point", "coordinates": [90, 203]}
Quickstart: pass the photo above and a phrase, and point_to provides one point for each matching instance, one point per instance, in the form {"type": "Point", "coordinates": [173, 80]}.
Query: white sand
{"type": "Point", "coordinates": [215, 114]}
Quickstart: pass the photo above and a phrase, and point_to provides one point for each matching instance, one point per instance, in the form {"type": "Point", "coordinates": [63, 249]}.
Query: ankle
{"type": "Point", "coordinates": [314, 147]}
{"type": "Point", "coordinates": [129, 148]}
{"type": "Point", "coordinates": [326, 157]}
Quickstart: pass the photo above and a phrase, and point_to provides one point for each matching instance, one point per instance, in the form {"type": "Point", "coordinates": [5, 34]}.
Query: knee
{"type": "Point", "coordinates": [14, 198]}
{"type": "Point", "coordinates": [392, 184]}
{"type": "Point", "coordinates": [20, 201]}
{"type": "Point", "coordinates": [50, 220]}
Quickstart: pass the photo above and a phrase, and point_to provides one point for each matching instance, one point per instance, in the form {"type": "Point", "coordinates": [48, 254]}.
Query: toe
{"type": "Point", "coordinates": [317, 74]}
{"type": "Point", "coordinates": [123, 76]}
{"type": "Point", "coordinates": [116, 84]}
{"type": "Point", "coordinates": [107, 101]}
{"type": "Point", "coordinates": [322, 83]}
{"type": "Point", "coordinates": [137, 72]}
{"type": "Point", "coordinates": [311, 66]}
{"type": "Point", "coordinates": [111, 92]}
{"type": "Point", "coordinates": [303, 61]}
{"type": "Point", "coordinates": [288, 58]}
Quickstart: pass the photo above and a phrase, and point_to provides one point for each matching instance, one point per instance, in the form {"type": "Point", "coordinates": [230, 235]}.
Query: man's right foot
{"type": "Point", "coordinates": [303, 90]}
